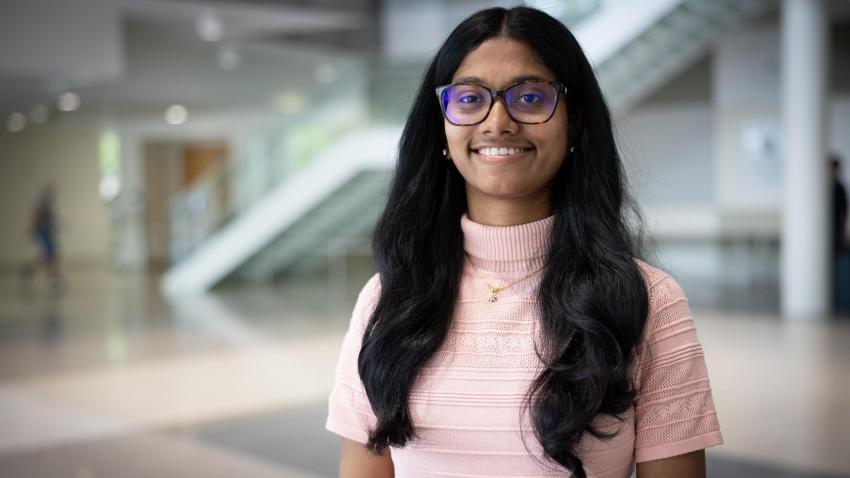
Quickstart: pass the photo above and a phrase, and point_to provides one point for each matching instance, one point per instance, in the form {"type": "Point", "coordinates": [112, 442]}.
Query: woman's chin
{"type": "Point", "coordinates": [500, 191]}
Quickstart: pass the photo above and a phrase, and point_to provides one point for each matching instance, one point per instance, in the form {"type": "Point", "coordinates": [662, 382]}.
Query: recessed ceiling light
{"type": "Point", "coordinates": [17, 122]}
{"type": "Point", "coordinates": [68, 101]}
{"type": "Point", "coordinates": [176, 114]}
{"type": "Point", "coordinates": [209, 26]}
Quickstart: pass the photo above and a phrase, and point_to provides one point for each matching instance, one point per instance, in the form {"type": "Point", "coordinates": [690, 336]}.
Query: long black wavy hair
{"type": "Point", "coordinates": [593, 299]}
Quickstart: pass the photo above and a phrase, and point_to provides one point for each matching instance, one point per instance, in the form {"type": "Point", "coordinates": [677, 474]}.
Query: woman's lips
{"type": "Point", "coordinates": [500, 158]}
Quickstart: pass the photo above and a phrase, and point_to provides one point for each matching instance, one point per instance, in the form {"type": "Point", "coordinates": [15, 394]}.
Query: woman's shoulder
{"type": "Point", "coordinates": [372, 287]}
{"type": "Point", "coordinates": [661, 287]}
{"type": "Point", "coordinates": [367, 299]}
{"type": "Point", "coordinates": [650, 272]}
{"type": "Point", "coordinates": [668, 305]}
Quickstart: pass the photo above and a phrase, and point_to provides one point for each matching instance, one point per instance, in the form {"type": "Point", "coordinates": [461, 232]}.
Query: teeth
{"type": "Point", "coordinates": [501, 151]}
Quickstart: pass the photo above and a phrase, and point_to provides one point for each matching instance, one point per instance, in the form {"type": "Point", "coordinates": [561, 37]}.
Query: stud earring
{"type": "Point", "coordinates": [444, 151]}
{"type": "Point", "coordinates": [572, 149]}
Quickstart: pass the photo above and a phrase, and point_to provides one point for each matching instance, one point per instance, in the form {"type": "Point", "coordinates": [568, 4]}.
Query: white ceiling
{"type": "Point", "coordinates": [133, 58]}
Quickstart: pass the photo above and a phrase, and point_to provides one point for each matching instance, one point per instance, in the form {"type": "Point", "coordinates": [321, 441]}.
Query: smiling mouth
{"type": "Point", "coordinates": [501, 152]}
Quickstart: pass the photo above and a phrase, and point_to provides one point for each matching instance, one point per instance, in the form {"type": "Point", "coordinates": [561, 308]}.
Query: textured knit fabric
{"type": "Point", "coordinates": [466, 404]}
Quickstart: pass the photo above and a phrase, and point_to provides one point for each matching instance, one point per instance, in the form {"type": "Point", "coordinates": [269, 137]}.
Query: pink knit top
{"type": "Point", "coordinates": [466, 403]}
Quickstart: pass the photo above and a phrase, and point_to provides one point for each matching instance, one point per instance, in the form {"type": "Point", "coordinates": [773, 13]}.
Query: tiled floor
{"type": "Point", "coordinates": [110, 380]}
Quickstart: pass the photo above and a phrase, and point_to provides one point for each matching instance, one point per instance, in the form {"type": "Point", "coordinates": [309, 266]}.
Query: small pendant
{"type": "Point", "coordinates": [492, 297]}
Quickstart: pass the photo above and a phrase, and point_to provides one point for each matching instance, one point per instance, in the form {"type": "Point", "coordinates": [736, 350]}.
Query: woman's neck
{"type": "Point", "coordinates": [494, 211]}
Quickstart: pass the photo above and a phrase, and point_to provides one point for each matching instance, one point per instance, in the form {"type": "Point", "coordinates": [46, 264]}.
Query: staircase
{"type": "Point", "coordinates": [259, 232]}
{"type": "Point", "coordinates": [341, 221]}
{"type": "Point", "coordinates": [638, 46]}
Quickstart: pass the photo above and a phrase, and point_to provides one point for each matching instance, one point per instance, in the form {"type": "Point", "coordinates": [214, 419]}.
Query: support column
{"type": "Point", "coordinates": [129, 251]}
{"type": "Point", "coordinates": [806, 285]}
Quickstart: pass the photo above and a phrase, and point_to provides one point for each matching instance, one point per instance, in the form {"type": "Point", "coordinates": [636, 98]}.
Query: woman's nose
{"type": "Point", "coordinates": [498, 121]}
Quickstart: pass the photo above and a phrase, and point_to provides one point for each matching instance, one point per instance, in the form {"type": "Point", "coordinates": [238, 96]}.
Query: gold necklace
{"type": "Point", "coordinates": [496, 289]}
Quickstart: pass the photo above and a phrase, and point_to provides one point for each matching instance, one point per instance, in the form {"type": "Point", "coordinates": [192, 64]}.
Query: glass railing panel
{"type": "Point", "coordinates": [261, 161]}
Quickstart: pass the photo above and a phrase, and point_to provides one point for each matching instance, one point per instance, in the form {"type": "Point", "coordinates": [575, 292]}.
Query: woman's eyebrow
{"type": "Point", "coordinates": [517, 79]}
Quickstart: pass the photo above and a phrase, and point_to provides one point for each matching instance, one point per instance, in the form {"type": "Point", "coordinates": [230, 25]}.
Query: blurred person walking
{"type": "Point", "coordinates": [44, 230]}
{"type": "Point", "coordinates": [841, 252]}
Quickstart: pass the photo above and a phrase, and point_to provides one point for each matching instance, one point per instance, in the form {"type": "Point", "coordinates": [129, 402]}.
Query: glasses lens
{"type": "Point", "coordinates": [531, 102]}
{"type": "Point", "coordinates": [465, 104]}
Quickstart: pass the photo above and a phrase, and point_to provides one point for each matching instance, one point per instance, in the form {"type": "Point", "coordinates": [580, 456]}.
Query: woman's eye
{"type": "Point", "coordinates": [529, 98]}
{"type": "Point", "coordinates": [469, 99]}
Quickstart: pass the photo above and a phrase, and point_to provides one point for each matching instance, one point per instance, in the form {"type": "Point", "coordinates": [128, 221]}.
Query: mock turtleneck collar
{"type": "Point", "coordinates": [516, 248]}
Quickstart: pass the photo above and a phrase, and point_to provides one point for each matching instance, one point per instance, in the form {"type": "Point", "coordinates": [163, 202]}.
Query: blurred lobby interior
{"type": "Point", "coordinates": [217, 168]}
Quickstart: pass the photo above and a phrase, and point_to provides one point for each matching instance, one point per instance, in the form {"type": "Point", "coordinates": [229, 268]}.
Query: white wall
{"type": "Point", "coordinates": [668, 150]}
{"type": "Point", "coordinates": [66, 154]}
{"type": "Point", "coordinates": [684, 147]}
{"type": "Point", "coordinates": [665, 143]}
{"type": "Point", "coordinates": [747, 92]}
{"type": "Point", "coordinates": [746, 85]}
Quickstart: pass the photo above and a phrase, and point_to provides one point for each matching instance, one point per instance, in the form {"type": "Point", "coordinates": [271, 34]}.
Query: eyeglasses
{"type": "Point", "coordinates": [528, 102]}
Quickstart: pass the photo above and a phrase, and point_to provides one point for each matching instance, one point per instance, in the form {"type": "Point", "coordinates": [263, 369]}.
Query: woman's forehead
{"type": "Point", "coordinates": [500, 62]}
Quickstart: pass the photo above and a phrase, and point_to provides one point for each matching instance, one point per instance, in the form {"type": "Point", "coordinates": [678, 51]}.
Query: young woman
{"type": "Point", "coordinates": [511, 329]}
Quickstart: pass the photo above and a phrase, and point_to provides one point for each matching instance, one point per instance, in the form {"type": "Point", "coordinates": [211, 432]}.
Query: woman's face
{"type": "Point", "coordinates": [498, 63]}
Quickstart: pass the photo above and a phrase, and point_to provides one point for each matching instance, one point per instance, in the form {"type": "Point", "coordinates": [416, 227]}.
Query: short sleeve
{"type": "Point", "coordinates": [349, 412]}
{"type": "Point", "coordinates": [674, 409]}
